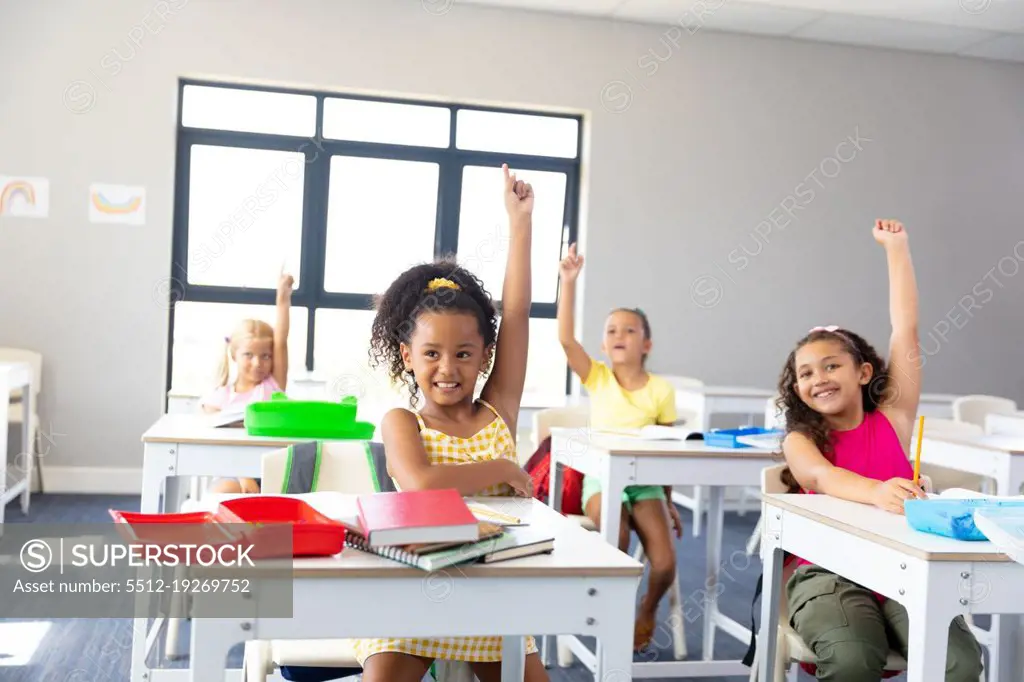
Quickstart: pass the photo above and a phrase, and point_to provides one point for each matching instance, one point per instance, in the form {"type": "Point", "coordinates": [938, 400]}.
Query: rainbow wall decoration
{"type": "Point", "coordinates": [117, 204]}
{"type": "Point", "coordinates": [22, 197]}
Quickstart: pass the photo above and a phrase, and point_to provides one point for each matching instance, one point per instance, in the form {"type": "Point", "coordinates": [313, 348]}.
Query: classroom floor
{"type": "Point", "coordinates": [99, 650]}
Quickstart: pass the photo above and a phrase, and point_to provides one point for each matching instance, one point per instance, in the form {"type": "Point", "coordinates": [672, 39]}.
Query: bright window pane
{"type": "Point", "coordinates": [244, 215]}
{"type": "Point", "coordinates": [386, 122]}
{"type": "Point", "coordinates": [341, 361]}
{"type": "Point", "coordinates": [199, 347]}
{"type": "Point", "coordinates": [248, 111]}
{"type": "Point", "coordinates": [546, 365]}
{"type": "Point", "coordinates": [490, 131]}
{"type": "Point", "coordinates": [484, 235]}
{"type": "Point", "coordinates": [380, 220]}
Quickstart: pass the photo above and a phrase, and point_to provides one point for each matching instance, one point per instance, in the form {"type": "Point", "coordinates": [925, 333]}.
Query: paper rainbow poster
{"type": "Point", "coordinates": [117, 204]}
{"type": "Point", "coordinates": [22, 197]}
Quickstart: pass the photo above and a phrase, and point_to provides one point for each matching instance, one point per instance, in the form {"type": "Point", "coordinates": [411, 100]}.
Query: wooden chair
{"type": "Point", "coordinates": [15, 415]}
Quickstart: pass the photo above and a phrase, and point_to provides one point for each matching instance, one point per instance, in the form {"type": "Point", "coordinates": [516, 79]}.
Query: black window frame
{"type": "Point", "coordinates": [318, 151]}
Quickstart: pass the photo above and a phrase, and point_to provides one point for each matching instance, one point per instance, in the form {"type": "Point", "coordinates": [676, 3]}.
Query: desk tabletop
{"type": "Point", "coordinates": [195, 429]}
{"type": "Point", "coordinates": [16, 374]}
{"type": "Point", "coordinates": [884, 528]}
{"type": "Point", "coordinates": [1014, 445]}
{"type": "Point", "coordinates": [627, 446]}
{"type": "Point", "coordinates": [578, 552]}
{"type": "Point", "coordinates": [728, 391]}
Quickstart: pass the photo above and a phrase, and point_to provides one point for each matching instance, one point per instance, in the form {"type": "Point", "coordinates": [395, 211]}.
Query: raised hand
{"type": "Point", "coordinates": [889, 232]}
{"type": "Point", "coordinates": [285, 283]}
{"type": "Point", "coordinates": [518, 194]}
{"type": "Point", "coordinates": [570, 266]}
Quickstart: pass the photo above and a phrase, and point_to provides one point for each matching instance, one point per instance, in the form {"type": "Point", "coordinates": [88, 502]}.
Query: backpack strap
{"type": "Point", "coordinates": [748, 658]}
{"type": "Point", "coordinates": [302, 469]}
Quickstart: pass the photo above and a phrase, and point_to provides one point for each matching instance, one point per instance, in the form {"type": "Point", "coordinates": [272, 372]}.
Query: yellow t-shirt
{"type": "Point", "coordinates": [612, 407]}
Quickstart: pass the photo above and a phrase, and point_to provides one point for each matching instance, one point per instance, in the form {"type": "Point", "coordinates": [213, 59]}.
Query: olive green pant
{"type": "Point", "coordinates": [851, 633]}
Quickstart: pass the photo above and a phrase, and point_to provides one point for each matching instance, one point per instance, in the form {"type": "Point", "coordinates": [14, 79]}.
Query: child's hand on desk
{"type": "Point", "coordinates": [890, 495]}
{"type": "Point", "coordinates": [518, 195]}
{"type": "Point", "coordinates": [519, 479]}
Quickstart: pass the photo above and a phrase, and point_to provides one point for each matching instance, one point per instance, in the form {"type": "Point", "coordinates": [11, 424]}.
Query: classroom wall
{"type": "Point", "coordinates": [731, 183]}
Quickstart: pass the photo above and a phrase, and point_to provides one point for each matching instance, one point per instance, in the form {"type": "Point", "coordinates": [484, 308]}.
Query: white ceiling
{"type": "Point", "coordinates": [989, 29]}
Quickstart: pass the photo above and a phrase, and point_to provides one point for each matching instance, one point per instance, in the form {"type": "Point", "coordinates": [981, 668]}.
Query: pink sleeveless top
{"type": "Point", "coordinates": [872, 450]}
{"type": "Point", "coordinates": [224, 397]}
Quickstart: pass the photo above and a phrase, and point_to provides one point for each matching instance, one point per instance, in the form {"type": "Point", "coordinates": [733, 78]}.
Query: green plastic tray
{"type": "Point", "coordinates": [315, 419]}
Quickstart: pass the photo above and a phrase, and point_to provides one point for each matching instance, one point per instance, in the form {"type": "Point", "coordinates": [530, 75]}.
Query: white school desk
{"type": "Point", "coordinates": [13, 376]}
{"type": "Point", "coordinates": [937, 405]}
{"type": "Point", "coordinates": [621, 462]}
{"type": "Point", "coordinates": [183, 445]}
{"type": "Point", "coordinates": [584, 586]}
{"type": "Point", "coordinates": [935, 578]}
{"type": "Point", "coordinates": [994, 456]}
{"type": "Point", "coordinates": [709, 400]}
{"type": "Point", "coordinates": [1005, 424]}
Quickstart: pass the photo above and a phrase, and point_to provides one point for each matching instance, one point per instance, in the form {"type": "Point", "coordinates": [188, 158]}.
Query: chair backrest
{"type": "Point", "coordinates": [34, 359]}
{"type": "Point", "coordinates": [950, 427]}
{"type": "Point", "coordinates": [568, 417]}
{"type": "Point", "coordinates": [773, 418]}
{"type": "Point", "coordinates": [771, 480]}
{"type": "Point", "coordinates": [344, 467]}
{"type": "Point", "coordinates": [974, 408]}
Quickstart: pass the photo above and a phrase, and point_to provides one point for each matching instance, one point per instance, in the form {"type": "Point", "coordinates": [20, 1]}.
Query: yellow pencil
{"type": "Point", "coordinates": [917, 457]}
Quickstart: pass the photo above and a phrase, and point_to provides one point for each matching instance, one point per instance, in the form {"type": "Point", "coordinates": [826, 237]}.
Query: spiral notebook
{"type": "Point", "coordinates": [506, 543]}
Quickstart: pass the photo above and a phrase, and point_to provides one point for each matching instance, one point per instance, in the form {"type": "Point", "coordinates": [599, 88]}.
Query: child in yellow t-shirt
{"type": "Point", "coordinates": [625, 395]}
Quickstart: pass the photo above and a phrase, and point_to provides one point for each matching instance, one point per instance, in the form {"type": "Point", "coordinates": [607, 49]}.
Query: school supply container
{"type": "Point", "coordinates": [954, 518]}
{"type": "Point", "coordinates": [731, 438]}
{"type": "Point", "coordinates": [313, 419]}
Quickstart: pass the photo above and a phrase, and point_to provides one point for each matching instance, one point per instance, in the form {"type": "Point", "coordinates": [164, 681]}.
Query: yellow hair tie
{"type": "Point", "coordinates": [442, 283]}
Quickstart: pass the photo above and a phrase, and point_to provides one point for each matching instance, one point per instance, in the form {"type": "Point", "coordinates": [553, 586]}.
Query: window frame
{"type": "Point", "coordinates": [318, 151]}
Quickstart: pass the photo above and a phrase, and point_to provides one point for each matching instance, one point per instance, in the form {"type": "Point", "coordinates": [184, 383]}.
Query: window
{"type": "Point", "coordinates": [345, 192]}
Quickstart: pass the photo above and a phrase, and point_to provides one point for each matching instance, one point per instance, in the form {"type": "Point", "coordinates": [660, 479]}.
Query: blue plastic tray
{"type": "Point", "coordinates": [952, 518]}
{"type": "Point", "coordinates": [726, 438]}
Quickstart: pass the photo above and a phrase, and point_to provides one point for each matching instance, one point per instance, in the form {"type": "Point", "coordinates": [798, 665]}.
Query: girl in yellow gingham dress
{"type": "Point", "coordinates": [492, 442]}
{"type": "Point", "coordinates": [436, 331]}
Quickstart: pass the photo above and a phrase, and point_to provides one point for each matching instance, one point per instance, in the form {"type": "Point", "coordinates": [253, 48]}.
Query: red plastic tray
{"type": "Point", "coordinates": [196, 528]}
{"type": "Point", "coordinates": [313, 534]}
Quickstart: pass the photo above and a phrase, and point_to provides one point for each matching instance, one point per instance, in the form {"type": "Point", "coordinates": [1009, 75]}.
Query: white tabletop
{"type": "Point", "coordinates": [577, 551]}
{"type": "Point", "coordinates": [885, 528]}
{"type": "Point", "coordinates": [616, 445]}
{"type": "Point", "coordinates": [195, 428]}
{"type": "Point", "coordinates": [1011, 444]}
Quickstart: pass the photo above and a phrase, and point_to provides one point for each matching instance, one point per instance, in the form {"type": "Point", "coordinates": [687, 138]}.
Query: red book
{"type": "Point", "coordinates": [416, 516]}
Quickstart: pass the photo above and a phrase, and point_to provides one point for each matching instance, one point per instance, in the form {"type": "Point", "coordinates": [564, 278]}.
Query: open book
{"type": "Point", "coordinates": [649, 432]}
{"type": "Point", "coordinates": [1004, 527]}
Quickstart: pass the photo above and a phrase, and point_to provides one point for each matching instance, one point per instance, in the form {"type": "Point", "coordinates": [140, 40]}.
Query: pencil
{"type": "Point", "coordinates": [917, 456]}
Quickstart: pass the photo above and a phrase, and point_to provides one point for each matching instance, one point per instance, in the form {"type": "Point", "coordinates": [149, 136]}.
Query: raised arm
{"type": "Point", "coordinates": [569, 271]}
{"type": "Point", "coordinates": [409, 465]}
{"type": "Point", "coordinates": [904, 391]}
{"type": "Point", "coordinates": [504, 388]}
{"type": "Point", "coordinates": [281, 328]}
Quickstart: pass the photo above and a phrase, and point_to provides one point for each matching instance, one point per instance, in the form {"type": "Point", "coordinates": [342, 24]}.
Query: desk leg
{"type": "Point", "coordinates": [548, 643]}
{"type": "Point", "coordinates": [28, 445]}
{"type": "Point", "coordinates": [513, 659]}
{"type": "Point", "coordinates": [928, 608]}
{"type": "Point", "coordinates": [615, 638]}
{"type": "Point", "coordinates": [768, 636]}
{"type": "Point", "coordinates": [618, 471]}
{"type": "Point", "coordinates": [212, 639]}
{"type": "Point", "coordinates": [716, 519]}
{"type": "Point", "coordinates": [159, 460]}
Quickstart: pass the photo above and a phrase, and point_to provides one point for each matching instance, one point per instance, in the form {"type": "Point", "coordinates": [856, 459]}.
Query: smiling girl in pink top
{"type": "Point", "coordinates": [849, 423]}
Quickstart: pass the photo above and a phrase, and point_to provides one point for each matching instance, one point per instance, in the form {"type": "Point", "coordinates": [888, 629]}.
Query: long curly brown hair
{"type": "Point", "coordinates": [799, 417]}
{"type": "Point", "coordinates": [409, 296]}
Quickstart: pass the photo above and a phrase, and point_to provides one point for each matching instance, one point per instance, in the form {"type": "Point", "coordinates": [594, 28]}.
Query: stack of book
{"type": "Point", "coordinates": [435, 529]}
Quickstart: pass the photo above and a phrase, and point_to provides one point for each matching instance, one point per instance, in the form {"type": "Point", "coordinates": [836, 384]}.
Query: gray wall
{"type": "Point", "coordinates": [680, 172]}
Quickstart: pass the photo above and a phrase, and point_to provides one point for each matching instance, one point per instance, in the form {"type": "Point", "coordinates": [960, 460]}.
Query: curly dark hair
{"type": "Point", "coordinates": [400, 306]}
{"type": "Point", "coordinates": [801, 418]}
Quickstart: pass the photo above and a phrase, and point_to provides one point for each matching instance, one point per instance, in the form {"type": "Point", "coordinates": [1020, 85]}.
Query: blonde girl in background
{"type": "Point", "coordinates": [260, 355]}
